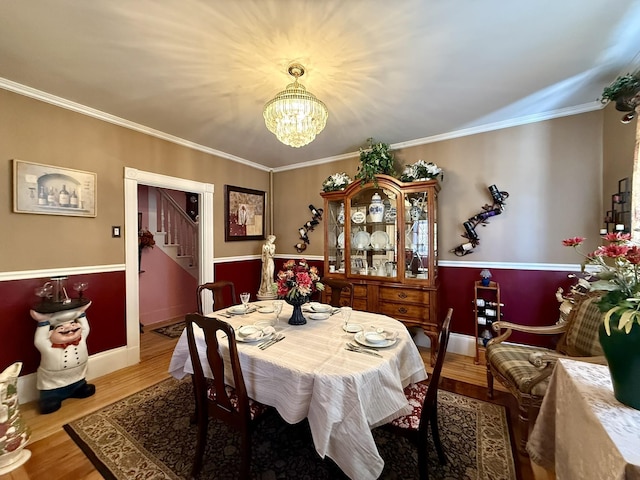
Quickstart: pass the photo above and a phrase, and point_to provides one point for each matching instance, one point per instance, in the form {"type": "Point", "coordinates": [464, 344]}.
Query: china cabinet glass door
{"type": "Point", "coordinates": [335, 236]}
{"type": "Point", "coordinates": [417, 237]}
{"type": "Point", "coordinates": [372, 248]}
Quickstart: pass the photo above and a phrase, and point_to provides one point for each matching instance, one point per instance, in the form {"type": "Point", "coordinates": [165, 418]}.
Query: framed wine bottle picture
{"type": "Point", "coordinates": [48, 190]}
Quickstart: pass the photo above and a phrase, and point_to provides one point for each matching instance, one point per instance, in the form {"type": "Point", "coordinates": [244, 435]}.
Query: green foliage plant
{"type": "Point", "coordinates": [375, 159]}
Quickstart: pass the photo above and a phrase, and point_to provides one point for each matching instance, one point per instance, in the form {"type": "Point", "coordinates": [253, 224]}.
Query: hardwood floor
{"type": "Point", "coordinates": [55, 455]}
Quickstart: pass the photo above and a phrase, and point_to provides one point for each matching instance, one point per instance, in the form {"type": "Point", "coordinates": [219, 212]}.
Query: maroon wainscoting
{"type": "Point", "coordinates": [528, 297]}
{"type": "Point", "coordinates": [245, 275]}
{"type": "Point", "coordinates": [106, 316]}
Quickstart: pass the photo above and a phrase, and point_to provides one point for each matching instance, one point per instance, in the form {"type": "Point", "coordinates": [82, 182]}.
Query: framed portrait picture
{"type": "Point", "coordinates": [49, 190]}
{"type": "Point", "coordinates": [244, 214]}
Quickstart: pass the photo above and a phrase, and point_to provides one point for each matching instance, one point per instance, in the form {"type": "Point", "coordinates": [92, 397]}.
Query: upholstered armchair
{"type": "Point", "coordinates": [525, 370]}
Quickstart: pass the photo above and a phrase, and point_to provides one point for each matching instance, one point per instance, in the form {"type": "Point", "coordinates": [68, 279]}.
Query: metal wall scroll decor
{"type": "Point", "coordinates": [308, 227]}
{"type": "Point", "coordinates": [481, 218]}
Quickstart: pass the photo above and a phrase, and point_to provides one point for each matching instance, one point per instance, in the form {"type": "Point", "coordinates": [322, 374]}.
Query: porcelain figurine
{"type": "Point", "coordinates": [61, 338]}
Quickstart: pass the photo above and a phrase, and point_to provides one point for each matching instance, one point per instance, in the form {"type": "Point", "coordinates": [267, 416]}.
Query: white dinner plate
{"type": "Point", "coordinates": [319, 316]}
{"type": "Point", "coordinates": [379, 239]}
{"type": "Point", "coordinates": [320, 307]}
{"type": "Point", "coordinates": [265, 310]}
{"type": "Point", "coordinates": [361, 240]}
{"type": "Point", "coordinates": [252, 333]}
{"type": "Point", "coordinates": [341, 240]}
{"type": "Point", "coordinates": [359, 337]}
{"type": "Point", "coordinates": [240, 310]}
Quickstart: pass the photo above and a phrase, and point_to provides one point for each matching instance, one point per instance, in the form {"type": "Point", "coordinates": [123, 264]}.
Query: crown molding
{"type": "Point", "coordinates": [121, 122]}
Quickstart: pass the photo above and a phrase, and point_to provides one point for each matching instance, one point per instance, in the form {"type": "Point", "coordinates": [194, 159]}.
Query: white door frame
{"type": "Point", "coordinates": [132, 178]}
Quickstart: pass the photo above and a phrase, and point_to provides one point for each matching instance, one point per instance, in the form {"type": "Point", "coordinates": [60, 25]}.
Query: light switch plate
{"type": "Point", "coordinates": [115, 232]}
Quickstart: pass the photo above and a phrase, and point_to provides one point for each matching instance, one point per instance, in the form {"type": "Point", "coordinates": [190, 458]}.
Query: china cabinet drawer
{"type": "Point", "coordinates": [391, 294]}
{"type": "Point", "coordinates": [360, 291]}
{"type": "Point", "coordinates": [403, 310]}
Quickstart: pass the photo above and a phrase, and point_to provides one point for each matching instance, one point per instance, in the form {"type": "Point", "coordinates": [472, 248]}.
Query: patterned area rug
{"type": "Point", "coordinates": [148, 436]}
{"type": "Point", "coordinates": [171, 331]}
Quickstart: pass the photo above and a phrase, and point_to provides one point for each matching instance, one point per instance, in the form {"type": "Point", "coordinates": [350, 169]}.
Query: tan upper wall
{"type": "Point", "coordinates": [38, 132]}
{"type": "Point", "coordinates": [552, 171]}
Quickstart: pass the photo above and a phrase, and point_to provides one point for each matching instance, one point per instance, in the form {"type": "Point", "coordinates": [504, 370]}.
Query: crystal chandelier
{"type": "Point", "coordinates": [294, 115]}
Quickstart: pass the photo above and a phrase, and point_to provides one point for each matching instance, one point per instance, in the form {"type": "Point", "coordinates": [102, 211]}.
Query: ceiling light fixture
{"type": "Point", "coordinates": [294, 115]}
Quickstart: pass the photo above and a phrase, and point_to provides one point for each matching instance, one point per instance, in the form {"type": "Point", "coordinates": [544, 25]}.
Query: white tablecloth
{"type": "Point", "coordinates": [310, 375]}
{"type": "Point", "coordinates": [582, 431]}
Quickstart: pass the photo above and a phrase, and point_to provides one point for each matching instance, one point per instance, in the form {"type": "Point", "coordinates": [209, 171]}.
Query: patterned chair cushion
{"type": "Point", "coordinates": [415, 393]}
{"type": "Point", "coordinates": [582, 338]}
{"type": "Point", "coordinates": [512, 362]}
{"type": "Point", "coordinates": [255, 408]}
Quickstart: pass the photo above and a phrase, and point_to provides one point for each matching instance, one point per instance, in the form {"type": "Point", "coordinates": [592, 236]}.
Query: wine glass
{"type": "Point", "coordinates": [277, 307]}
{"type": "Point", "coordinates": [244, 298]}
{"type": "Point", "coordinates": [80, 287]}
{"type": "Point", "coordinates": [346, 315]}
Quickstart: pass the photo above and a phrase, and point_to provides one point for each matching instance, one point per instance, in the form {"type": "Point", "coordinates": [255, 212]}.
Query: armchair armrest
{"type": "Point", "coordinates": [541, 359]}
{"type": "Point", "coordinates": [511, 327]}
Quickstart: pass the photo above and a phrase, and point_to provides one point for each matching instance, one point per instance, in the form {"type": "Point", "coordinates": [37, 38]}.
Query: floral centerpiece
{"type": "Point", "coordinates": [375, 159]}
{"type": "Point", "coordinates": [616, 271]}
{"type": "Point", "coordinates": [295, 283]}
{"type": "Point", "coordinates": [421, 170]}
{"type": "Point", "coordinates": [337, 181]}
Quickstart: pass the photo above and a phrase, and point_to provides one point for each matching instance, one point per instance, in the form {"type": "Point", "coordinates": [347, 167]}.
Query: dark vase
{"type": "Point", "coordinates": [296, 317]}
{"type": "Point", "coordinates": [622, 351]}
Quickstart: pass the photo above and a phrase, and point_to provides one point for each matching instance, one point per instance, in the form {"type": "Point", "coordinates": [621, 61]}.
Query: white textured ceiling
{"type": "Point", "coordinates": [397, 71]}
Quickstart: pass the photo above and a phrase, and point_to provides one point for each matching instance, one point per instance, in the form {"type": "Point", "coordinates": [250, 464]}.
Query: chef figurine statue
{"type": "Point", "coordinates": [61, 338]}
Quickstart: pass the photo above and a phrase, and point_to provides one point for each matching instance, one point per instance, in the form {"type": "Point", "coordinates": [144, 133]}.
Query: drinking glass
{"type": "Point", "coordinates": [277, 307]}
{"type": "Point", "coordinates": [244, 298]}
{"type": "Point", "coordinates": [346, 315]}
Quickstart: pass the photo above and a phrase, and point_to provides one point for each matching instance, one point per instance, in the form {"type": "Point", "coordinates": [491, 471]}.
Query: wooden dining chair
{"type": "Point", "coordinates": [337, 287]}
{"type": "Point", "coordinates": [215, 399]}
{"type": "Point", "coordinates": [423, 398]}
{"type": "Point", "coordinates": [223, 295]}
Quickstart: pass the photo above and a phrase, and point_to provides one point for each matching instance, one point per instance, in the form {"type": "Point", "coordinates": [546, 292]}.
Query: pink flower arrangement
{"type": "Point", "coordinates": [298, 280]}
{"type": "Point", "coordinates": [615, 270]}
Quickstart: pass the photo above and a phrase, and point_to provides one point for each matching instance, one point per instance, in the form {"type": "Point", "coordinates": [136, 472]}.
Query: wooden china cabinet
{"type": "Point", "coordinates": [383, 239]}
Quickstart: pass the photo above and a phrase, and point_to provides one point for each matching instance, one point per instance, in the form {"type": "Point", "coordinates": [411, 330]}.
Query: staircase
{"type": "Point", "coordinates": [176, 234]}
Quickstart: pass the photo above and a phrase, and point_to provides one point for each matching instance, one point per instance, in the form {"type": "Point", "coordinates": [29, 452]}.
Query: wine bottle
{"type": "Point", "coordinates": [63, 198]}
{"type": "Point", "coordinates": [494, 304]}
{"type": "Point", "coordinates": [73, 200]}
{"type": "Point", "coordinates": [480, 302]}
{"type": "Point", "coordinates": [42, 196]}
{"type": "Point", "coordinates": [51, 197]}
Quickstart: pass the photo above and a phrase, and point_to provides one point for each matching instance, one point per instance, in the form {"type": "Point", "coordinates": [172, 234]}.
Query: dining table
{"type": "Point", "coordinates": [312, 374]}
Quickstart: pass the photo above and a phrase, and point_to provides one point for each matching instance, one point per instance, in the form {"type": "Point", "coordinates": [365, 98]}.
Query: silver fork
{"type": "Point", "coordinates": [271, 341]}
{"type": "Point", "coordinates": [360, 347]}
{"type": "Point", "coordinates": [356, 349]}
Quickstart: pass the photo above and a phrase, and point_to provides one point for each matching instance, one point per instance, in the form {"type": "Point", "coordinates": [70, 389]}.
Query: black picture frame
{"type": "Point", "coordinates": [244, 214]}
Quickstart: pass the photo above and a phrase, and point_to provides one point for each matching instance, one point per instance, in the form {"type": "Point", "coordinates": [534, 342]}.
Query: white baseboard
{"type": "Point", "coordinates": [99, 364]}
{"type": "Point", "coordinates": [458, 343]}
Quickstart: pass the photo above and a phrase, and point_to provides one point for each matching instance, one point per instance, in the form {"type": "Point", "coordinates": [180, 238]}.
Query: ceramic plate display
{"type": "Point", "coordinates": [379, 239]}
{"type": "Point", "coordinates": [319, 316]}
{"type": "Point", "coordinates": [341, 240]}
{"type": "Point", "coordinates": [359, 337]}
{"type": "Point", "coordinates": [352, 327]}
{"type": "Point", "coordinates": [358, 217]}
{"type": "Point", "coordinates": [361, 240]}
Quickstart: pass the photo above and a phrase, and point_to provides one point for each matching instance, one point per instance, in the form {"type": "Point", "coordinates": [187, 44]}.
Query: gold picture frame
{"type": "Point", "coordinates": [49, 190]}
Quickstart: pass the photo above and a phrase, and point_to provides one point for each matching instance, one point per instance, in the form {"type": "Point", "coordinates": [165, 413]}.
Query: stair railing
{"type": "Point", "coordinates": [178, 227]}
